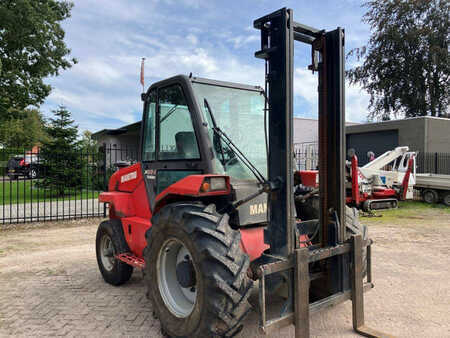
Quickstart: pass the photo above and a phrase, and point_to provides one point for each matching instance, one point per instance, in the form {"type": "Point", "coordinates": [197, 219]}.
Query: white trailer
{"type": "Point", "coordinates": [434, 188]}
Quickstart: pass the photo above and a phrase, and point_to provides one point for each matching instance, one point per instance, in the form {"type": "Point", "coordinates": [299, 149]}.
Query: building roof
{"type": "Point", "coordinates": [396, 124]}
{"type": "Point", "coordinates": [382, 123]}
{"type": "Point", "coordinates": [118, 131]}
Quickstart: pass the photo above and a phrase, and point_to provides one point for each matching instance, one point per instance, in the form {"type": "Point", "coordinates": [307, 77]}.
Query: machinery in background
{"type": "Point", "coordinates": [381, 183]}
{"type": "Point", "coordinates": [434, 188]}
{"type": "Point", "coordinates": [378, 185]}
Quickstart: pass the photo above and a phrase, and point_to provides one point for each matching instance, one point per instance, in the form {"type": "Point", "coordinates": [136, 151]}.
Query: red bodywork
{"type": "Point", "coordinates": [405, 182]}
{"type": "Point", "coordinates": [309, 178]}
{"type": "Point", "coordinates": [355, 185]}
{"type": "Point", "coordinates": [128, 201]}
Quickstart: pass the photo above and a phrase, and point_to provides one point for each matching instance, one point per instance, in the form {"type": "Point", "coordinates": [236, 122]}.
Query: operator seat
{"type": "Point", "coordinates": [186, 144]}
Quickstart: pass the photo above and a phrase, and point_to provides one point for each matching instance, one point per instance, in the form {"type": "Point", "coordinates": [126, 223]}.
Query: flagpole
{"type": "Point", "coordinates": [142, 74]}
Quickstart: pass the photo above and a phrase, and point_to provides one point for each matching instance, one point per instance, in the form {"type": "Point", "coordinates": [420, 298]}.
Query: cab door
{"type": "Point", "coordinates": [170, 147]}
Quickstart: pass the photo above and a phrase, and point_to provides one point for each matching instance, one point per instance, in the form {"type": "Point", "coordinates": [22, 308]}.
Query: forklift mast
{"type": "Point", "coordinates": [339, 279]}
{"type": "Point", "coordinates": [278, 33]}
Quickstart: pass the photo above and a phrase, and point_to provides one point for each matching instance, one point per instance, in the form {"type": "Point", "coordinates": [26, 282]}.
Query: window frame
{"type": "Point", "coordinates": [144, 126]}
{"type": "Point", "coordinates": [158, 127]}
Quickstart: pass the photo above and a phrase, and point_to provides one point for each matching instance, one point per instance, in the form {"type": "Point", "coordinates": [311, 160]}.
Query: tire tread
{"type": "Point", "coordinates": [227, 285]}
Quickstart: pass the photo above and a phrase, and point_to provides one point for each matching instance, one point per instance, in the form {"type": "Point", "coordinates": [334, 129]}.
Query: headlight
{"type": "Point", "coordinates": [218, 183]}
{"type": "Point", "coordinates": [213, 184]}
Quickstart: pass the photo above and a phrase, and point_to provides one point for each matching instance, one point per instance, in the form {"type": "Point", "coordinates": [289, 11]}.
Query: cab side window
{"type": "Point", "coordinates": [177, 139]}
{"type": "Point", "coordinates": [149, 132]}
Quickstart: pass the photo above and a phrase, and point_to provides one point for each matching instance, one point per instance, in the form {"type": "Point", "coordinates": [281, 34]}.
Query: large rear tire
{"type": "Point", "coordinates": [110, 241]}
{"type": "Point", "coordinates": [205, 293]}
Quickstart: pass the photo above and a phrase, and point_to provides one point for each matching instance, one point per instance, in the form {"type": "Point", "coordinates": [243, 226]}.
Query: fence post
{"type": "Point", "coordinates": [105, 177]}
{"type": "Point", "coordinates": [105, 183]}
{"type": "Point", "coordinates": [435, 163]}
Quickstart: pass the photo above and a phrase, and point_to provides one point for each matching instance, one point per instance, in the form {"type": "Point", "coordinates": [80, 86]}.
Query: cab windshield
{"type": "Point", "coordinates": [240, 114]}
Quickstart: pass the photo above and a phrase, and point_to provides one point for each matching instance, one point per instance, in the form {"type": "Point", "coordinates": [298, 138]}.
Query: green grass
{"type": "Point", "coordinates": [24, 191]}
{"type": "Point", "coordinates": [412, 210]}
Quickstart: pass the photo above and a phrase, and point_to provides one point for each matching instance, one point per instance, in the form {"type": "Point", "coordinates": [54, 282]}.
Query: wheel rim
{"type": "Point", "coordinates": [33, 173]}
{"type": "Point", "coordinates": [179, 300]}
{"type": "Point", "coordinates": [107, 252]}
{"type": "Point", "coordinates": [428, 197]}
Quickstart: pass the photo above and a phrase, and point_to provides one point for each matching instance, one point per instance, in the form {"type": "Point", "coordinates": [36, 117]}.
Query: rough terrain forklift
{"type": "Point", "coordinates": [208, 211]}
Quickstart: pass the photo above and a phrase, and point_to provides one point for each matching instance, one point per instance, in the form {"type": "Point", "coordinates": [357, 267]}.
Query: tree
{"type": "Point", "coordinates": [406, 67]}
{"type": "Point", "coordinates": [32, 48]}
{"type": "Point", "coordinates": [87, 144]}
{"type": "Point", "coordinates": [60, 153]}
{"type": "Point", "coordinates": [24, 129]}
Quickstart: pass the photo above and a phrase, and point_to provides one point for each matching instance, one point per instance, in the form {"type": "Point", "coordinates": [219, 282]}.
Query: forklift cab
{"type": "Point", "coordinates": [178, 140]}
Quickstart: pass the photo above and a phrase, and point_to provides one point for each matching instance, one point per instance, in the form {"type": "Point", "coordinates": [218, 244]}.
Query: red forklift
{"type": "Point", "coordinates": [209, 208]}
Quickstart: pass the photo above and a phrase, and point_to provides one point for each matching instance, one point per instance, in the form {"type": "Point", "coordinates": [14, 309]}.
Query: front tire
{"type": "Point", "coordinates": [110, 241]}
{"type": "Point", "coordinates": [210, 298]}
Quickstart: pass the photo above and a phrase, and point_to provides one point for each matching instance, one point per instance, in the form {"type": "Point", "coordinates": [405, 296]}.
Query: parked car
{"type": "Point", "coordinates": [28, 166]}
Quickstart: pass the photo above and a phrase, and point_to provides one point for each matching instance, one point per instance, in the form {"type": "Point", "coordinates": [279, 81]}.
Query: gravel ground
{"type": "Point", "coordinates": [51, 285]}
{"type": "Point", "coordinates": [50, 210]}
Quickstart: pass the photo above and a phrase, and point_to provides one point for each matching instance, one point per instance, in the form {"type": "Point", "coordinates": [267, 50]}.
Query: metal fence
{"type": "Point", "coordinates": [31, 190]}
{"type": "Point", "coordinates": [307, 158]}
{"type": "Point", "coordinates": [39, 187]}
{"type": "Point", "coordinates": [115, 154]}
{"type": "Point", "coordinates": [434, 163]}
{"type": "Point", "coordinates": [307, 155]}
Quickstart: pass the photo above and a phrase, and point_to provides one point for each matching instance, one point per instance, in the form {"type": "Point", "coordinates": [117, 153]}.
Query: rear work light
{"type": "Point", "coordinates": [213, 184]}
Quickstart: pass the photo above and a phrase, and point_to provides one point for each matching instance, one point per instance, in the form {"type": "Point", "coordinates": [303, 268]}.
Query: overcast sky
{"type": "Point", "coordinates": [213, 39]}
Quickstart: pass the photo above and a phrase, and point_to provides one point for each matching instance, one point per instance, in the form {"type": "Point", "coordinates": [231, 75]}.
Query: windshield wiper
{"type": "Point", "coordinates": [261, 179]}
{"type": "Point", "coordinates": [170, 112]}
{"type": "Point", "coordinates": [219, 143]}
